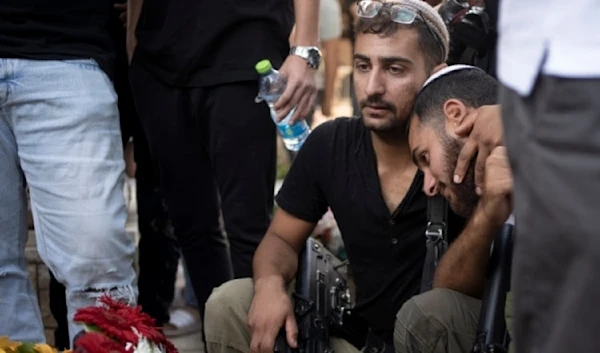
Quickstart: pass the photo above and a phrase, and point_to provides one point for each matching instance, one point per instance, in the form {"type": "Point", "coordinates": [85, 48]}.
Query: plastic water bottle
{"type": "Point", "coordinates": [271, 86]}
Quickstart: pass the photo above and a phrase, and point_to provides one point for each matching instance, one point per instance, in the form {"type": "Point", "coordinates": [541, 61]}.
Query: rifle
{"type": "Point", "coordinates": [492, 336]}
{"type": "Point", "coordinates": [322, 300]}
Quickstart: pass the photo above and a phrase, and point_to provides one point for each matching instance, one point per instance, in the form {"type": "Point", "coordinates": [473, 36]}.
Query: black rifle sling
{"type": "Point", "coordinates": [436, 238]}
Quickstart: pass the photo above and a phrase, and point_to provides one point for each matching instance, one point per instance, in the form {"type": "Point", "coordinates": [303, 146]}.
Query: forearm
{"type": "Point", "coordinates": [275, 262]}
{"type": "Point", "coordinates": [331, 65]}
{"type": "Point", "coordinates": [463, 266]}
{"type": "Point", "coordinates": [307, 22]}
{"type": "Point", "coordinates": [134, 8]}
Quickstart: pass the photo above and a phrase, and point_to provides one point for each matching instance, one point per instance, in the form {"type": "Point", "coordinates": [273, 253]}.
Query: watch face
{"type": "Point", "coordinates": [314, 58]}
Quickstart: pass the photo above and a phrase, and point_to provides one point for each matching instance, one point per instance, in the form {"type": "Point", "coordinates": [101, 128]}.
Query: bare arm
{"type": "Point", "coordinates": [331, 65]}
{"type": "Point", "coordinates": [276, 259]}
{"type": "Point", "coordinates": [275, 264]}
{"type": "Point", "coordinates": [306, 30]}
{"type": "Point", "coordinates": [463, 266]}
{"type": "Point", "coordinates": [134, 8]}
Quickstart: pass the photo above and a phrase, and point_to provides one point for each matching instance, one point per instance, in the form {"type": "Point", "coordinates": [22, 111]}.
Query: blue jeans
{"type": "Point", "coordinates": [59, 131]}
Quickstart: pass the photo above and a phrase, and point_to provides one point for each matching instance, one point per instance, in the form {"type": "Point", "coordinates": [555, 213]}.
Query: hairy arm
{"type": "Point", "coordinates": [276, 259]}
{"type": "Point", "coordinates": [463, 266]}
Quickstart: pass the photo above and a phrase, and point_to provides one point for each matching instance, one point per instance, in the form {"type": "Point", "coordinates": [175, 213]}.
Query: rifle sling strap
{"type": "Point", "coordinates": [436, 238]}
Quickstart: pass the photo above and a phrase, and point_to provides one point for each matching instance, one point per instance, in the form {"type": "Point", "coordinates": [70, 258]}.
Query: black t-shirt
{"type": "Point", "coordinates": [336, 167]}
{"type": "Point", "coordinates": [208, 42]}
{"type": "Point", "coordinates": [57, 30]}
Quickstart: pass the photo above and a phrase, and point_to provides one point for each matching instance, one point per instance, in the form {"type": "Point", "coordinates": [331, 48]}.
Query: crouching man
{"type": "Point", "coordinates": [445, 319]}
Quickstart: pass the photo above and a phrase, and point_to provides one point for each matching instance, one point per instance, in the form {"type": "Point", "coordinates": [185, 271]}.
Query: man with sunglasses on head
{"type": "Point", "coordinates": [363, 170]}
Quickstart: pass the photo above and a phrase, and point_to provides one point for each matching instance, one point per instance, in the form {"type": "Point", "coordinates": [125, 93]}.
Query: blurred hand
{"type": "Point", "coordinates": [483, 127]}
{"type": "Point", "coordinates": [271, 309]}
{"type": "Point", "coordinates": [496, 201]}
{"type": "Point", "coordinates": [122, 9]}
{"type": "Point", "coordinates": [300, 91]}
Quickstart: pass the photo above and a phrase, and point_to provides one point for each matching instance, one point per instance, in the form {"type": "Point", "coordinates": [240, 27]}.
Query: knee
{"type": "Point", "coordinates": [110, 265]}
{"type": "Point", "coordinates": [437, 319]}
{"type": "Point", "coordinates": [226, 309]}
{"type": "Point", "coordinates": [418, 325]}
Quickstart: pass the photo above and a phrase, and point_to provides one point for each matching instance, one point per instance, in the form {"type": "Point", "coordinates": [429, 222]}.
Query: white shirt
{"type": "Point", "coordinates": [555, 37]}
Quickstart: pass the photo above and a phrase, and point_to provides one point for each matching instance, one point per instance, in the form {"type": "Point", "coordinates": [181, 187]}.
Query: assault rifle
{"type": "Point", "coordinates": [492, 336]}
{"type": "Point", "coordinates": [322, 300]}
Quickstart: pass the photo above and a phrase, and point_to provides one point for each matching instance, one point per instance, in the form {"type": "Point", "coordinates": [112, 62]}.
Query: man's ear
{"type": "Point", "coordinates": [438, 68]}
{"type": "Point", "coordinates": [454, 111]}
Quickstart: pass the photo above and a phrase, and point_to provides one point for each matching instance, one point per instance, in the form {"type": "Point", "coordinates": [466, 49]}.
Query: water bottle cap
{"type": "Point", "coordinates": [263, 66]}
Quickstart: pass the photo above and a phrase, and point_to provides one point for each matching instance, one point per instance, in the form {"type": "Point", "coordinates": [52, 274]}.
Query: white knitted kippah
{"type": "Point", "coordinates": [433, 18]}
{"type": "Point", "coordinates": [447, 70]}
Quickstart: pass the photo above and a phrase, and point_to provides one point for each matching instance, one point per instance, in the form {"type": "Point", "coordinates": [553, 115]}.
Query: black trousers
{"type": "Point", "coordinates": [215, 149]}
{"type": "Point", "coordinates": [157, 250]}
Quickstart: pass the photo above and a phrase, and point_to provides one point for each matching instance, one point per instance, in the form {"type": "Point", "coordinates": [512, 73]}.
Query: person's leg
{"type": "Point", "coordinates": [189, 298]}
{"type": "Point", "coordinates": [437, 321]}
{"type": "Point", "coordinates": [553, 141]}
{"type": "Point", "coordinates": [158, 250]}
{"type": "Point", "coordinates": [20, 315]}
{"type": "Point", "coordinates": [58, 308]}
{"type": "Point", "coordinates": [243, 156]}
{"type": "Point", "coordinates": [184, 318]}
{"type": "Point", "coordinates": [66, 125]}
{"type": "Point", "coordinates": [226, 326]}
{"type": "Point", "coordinates": [177, 138]}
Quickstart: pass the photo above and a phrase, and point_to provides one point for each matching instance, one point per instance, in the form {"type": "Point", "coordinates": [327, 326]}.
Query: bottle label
{"type": "Point", "coordinates": [292, 131]}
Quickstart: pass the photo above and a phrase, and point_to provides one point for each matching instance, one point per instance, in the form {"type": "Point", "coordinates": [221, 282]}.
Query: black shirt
{"type": "Point", "coordinates": [336, 167]}
{"type": "Point", "coordinates": [57, 30]}
{"type": "Point", "coordinates": [208, 42]}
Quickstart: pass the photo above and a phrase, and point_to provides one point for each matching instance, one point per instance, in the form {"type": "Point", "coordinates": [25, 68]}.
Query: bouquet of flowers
{"type": "Point", "coordinates": [111, 327]}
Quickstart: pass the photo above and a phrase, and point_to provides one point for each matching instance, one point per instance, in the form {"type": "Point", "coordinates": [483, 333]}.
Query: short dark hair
{"type": "Point", "coordinates": [384, 26]}
{"type": "Point", "coordinates": [473, 87]}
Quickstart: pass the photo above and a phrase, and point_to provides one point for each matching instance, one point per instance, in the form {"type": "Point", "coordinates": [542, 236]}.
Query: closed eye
{"type": "Point", "coordinates": [424, 159]}
{"type": "Point", "coordinates": [396, 70]}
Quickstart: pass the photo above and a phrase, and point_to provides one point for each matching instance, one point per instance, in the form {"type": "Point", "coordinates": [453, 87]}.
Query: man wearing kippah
{"type": "Point", "coordinates": [363, 170]}
{"type": "Point", "coordinates": [445, 318]}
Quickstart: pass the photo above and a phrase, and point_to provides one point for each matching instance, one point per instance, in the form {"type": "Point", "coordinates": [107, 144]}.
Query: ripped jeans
{"type": "Point", "coordinates": [60, 134]}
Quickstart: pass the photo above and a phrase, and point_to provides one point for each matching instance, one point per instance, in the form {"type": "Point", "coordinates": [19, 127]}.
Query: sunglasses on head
{"type": "Point", "coordinates": [399, 13]}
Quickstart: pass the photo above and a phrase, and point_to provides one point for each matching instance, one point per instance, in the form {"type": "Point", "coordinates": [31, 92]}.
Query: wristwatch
{"type": "Point", "coordinates": [312, 55]}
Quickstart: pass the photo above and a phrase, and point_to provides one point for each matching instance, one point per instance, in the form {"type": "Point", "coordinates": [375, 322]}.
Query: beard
{"type": "Point", "coordinates": [388, 120]}
{"type": "Point", "coordinates": [464, 199]}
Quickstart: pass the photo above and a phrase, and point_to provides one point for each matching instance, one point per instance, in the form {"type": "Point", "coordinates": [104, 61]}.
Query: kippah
{"type": "Point", "coordinates": [433, 19]}
{"type": "Point", "coordinates": [447, 70]}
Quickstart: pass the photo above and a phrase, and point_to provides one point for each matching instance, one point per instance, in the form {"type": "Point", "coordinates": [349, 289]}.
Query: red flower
{"type": "Point", "coordinates": [116, 320]}
{"type": "Point", "coordinates": [96, 342]}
